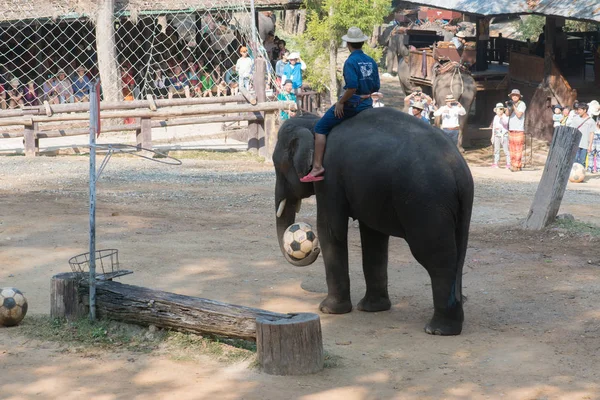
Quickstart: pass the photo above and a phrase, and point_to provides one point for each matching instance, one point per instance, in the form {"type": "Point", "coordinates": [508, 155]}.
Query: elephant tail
{"type": "Point", "coordinates": [465, 208]}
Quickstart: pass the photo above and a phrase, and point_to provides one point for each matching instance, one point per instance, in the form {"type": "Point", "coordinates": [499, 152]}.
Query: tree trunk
{"type": "Point", "coordinates": [290, 21]}
{"type": "Point", "coordinates": [333, 48]}
{"type": "Point", "coordinates": [301, 22]}
{"type": "Point", "coordinates": [106, 48]}
{"type": "Point", "coordinates": [551, 189]}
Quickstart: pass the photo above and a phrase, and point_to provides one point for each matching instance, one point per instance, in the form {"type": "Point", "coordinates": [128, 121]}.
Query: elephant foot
{"type": "Point", "coordinates": [443, 327]}
{"type": "Point", "coordinates": [332, 306]}
{"type": "Point", "coordinates": [374, 304]}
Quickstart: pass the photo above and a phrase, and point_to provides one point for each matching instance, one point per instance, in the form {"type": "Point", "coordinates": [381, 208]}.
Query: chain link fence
{"type": "Point", "coordinates": [50, 50]}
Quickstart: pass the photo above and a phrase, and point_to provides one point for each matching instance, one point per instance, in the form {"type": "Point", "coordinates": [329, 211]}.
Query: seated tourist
{"type": "Point", "coordinates": [64, 88]}
{"type": "Point", "coordinates": [14, 94]}
{"type": "Point", "coordinates": [231, 78]}
{"type": "Point", "coordinates": [81, 90]}
{"type": "Point", "coordinates": [161, 89]}
{"type": "Point", "coordinates": [30, 95]}
{"type": "Point", "coordinates": [194, 77]}
{"type": "Point", "coordinates": [49, 91]}
{"type": "Point", "coordinates": [179, 83]}
{"type": "Point", "coordinates": [2, 97]}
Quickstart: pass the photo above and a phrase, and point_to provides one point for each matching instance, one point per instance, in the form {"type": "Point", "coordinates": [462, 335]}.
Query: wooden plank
{"type": "Point", "coordinates": [127, 105]}
{"type": "Point", "coordinates": [554, 180]}
{"type": "Point", "coordinates": [161, 113]}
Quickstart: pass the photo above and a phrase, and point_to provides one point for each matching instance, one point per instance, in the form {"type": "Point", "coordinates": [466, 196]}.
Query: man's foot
{"type": "Point", "coordinates": [315, 175]}
{"type": "Point", "coordinates": [507, 166]}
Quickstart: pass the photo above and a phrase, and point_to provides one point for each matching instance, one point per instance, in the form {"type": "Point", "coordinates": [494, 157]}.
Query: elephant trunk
{"type": "Point", "coordinates": [286, 216]}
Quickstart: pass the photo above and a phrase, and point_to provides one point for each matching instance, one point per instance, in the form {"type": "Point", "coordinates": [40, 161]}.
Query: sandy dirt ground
{"type": "Point", "coordinates": [207, 229]}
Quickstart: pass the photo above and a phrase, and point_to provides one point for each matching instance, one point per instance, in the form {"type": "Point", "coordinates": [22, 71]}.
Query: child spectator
{"type": "Point", "coordinates": [218, 77]}
{"type": "Point", "coordinates": [50, 94]}
{"type": "Point", "coordinates": [376, 97]}
{"type": "Point", "coordinates": [557, 116]}
{"type": "Point", "coordinates": [207, 83]}
{"type": "Point", "coordinates": [287, 94]}
{"type": "Point", "coordinates": [231, 78]}
{"type": "Point", "coordinates": [15, 94]}
{"type": "Point", "coordinates": [194, 79]}
{"type": "Point", "coordinates": [243, 67]}
{"type": "Point", "coordinates": [160, 85]}
{"type": "Point", "coordinates": [64, 88]}
{"type": "Point", "coordinates": [81, 90]}
{"type": "Point", "coordinates": [179, 83]}
{"type": "Point", "coordinates": [500, 135]}
{"type": "Point", "coordinates": [279, 67]}
{"type": "Point", "coordinates": [30, 95]}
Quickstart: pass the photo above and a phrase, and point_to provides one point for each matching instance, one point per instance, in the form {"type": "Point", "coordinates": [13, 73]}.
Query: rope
{"type": "Point", "coordinates": [462, 82]}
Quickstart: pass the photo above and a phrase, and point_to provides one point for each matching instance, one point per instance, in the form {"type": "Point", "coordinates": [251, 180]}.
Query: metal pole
{"type": "Point", "coordinates": [94, 117]}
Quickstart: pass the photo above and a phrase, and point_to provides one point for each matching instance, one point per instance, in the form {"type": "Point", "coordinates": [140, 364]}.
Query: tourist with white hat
{"type": "Point", "coordinates": [451, 113]}
{"type": "Point", "coordinates": [293, 71]}
{"type": "Point", "coordinates": [459, 40]}
{"type": "Point", "coordinates": [500, 135]}
{"type": "Point", "coordinates": [417, 111]}
{"type": "Point", "coordinates": [515, 109]}
{"type": "Point", "coordinates": [362, 79]}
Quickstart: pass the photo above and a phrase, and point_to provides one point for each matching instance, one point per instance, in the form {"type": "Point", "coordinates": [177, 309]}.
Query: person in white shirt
{"type": "Point", "coordinates": [500, 135]}
{"type": "Point", "coordinates": [377, 96]}
{"type": "Point", "coordinates": [586, 125]}
{"type": "Point", "coordinates": [243, 66]}
{"type": "Point", "coordinates": [451, 113]}
{"type": "Point", "coordinates": [515, 109]}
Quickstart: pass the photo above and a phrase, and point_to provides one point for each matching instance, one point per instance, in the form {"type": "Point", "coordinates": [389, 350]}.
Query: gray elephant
{"type": "Point", "coordinates": [454, 79]}
{"type": "Point", "coordinates": [397, 176]}
{"type": "Point", "coordinates": [398, 53]}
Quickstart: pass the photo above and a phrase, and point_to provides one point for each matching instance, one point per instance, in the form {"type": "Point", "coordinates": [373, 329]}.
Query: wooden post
{"type": "Point", "coordinates": [290, 347]}
{"type": "Point", "coordinates": [550, 34]}
{"type": "Point", "coordinates": [256, 141]}
{"type": "Point", "coordinates": [271, 132]}
{"type": "Point", "coordinates": [66, 300]}
{"type": "Point", "coordinates": [483, 36]}
{"type": "Point", "coordinates": [554, 180]}
{"type": "Point", "coordinates": [32, 143]}
{"type": "Point", "coordinates": [143, 135]}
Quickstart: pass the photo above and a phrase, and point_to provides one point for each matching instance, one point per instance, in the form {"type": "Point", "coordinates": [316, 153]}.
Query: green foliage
{"type": "Point", "coordinates": [530, 27]}
{"type": "Point", "coordinates": [321, 28]}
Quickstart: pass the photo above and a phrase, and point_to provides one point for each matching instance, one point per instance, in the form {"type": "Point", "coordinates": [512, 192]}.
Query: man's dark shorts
{"type": "Point", "coordinates": [329, 120]}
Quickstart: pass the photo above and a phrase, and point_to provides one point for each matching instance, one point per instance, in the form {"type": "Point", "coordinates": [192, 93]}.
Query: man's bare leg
{"type": "Point", "coordinates": [320, 142]}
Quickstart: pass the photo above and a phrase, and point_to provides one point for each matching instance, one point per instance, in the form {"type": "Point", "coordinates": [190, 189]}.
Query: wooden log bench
{"type": "Point", "coordinates": [287, 344]}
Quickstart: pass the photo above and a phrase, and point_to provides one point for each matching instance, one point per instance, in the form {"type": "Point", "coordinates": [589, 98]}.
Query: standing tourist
{"type": "Point", "coordinates": [451, 113]}
{"type": "Point", "coordinates": [587, 127]}
{"type": "Point", "coordinates": [515, 109]}
{"type": "Point", "coordinates": [287, 94]}
{"type": "Point", "coordinates": [500, 135]}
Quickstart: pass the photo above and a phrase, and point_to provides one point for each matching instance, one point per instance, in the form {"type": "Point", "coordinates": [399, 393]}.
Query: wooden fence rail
{"type": "Point", "coordinates": [151, 113]}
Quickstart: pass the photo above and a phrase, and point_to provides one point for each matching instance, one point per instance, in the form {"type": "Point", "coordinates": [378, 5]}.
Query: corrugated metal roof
{"type": "Point", "coordinates": [588, 10]}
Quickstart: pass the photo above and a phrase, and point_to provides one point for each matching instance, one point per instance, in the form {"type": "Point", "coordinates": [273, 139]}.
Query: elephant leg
{"type": "Point", "coordinates": [333, 236]}
{"type": "Point", "coordinates": [436, 250]}
{"type": "Point", "coordinates": [375, 260]}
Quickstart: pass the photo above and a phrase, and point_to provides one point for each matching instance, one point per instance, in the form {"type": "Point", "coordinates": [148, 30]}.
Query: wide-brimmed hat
{"type": "Point", "coordinates": [461, 34]}
{"type": "Point", "coordinates": [450, 98]}
{"type": "Point", "coordinates": [293, 55]}
{"type": "Point", "coordinates": [379, 95]}
{"type": "Point", "coordinates": [15, 82]}
{"type": "Point", "coordinates": [515, 92]}
{"type": "Point", "coordinates": [418, 105]}
{"type": "Point", "coordinates": [355, 35]}
{"type": "Point", "coordinates": [594, 108]}
{"type": "Point", "coordinates": [499, 106]}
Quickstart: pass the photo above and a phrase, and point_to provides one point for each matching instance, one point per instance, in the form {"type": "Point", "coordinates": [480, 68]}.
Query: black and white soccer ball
{"type": "Point", "coordinates": [13, 306]}
{"type": "Point", "coordinates": [299, 240]}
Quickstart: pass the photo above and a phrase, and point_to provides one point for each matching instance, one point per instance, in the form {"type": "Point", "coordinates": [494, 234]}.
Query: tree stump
{"type": "Point", "coordinates": [292, 346]}
{"type": "Point", "coordinates": [551, 189]}
{"type": "Point", "coordinates": [65, 297]}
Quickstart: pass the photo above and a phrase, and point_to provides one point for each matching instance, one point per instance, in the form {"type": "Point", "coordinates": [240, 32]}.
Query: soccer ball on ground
{"type": "Point", "coordinates": [13, 306]}
{"type": "Point", "coordinates": [577, 173]}
{"type": "Point", "coordinates": [299, 240]}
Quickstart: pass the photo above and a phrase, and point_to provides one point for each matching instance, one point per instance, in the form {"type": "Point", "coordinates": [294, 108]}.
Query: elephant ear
{"type": "Point", "coordinates": [294, 148]}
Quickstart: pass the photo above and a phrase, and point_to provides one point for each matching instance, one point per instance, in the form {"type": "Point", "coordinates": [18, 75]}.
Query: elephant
{"type": "Point", "coordinates": [397, 176]}
{"type": "Point", "coordinates": [454, 79]}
